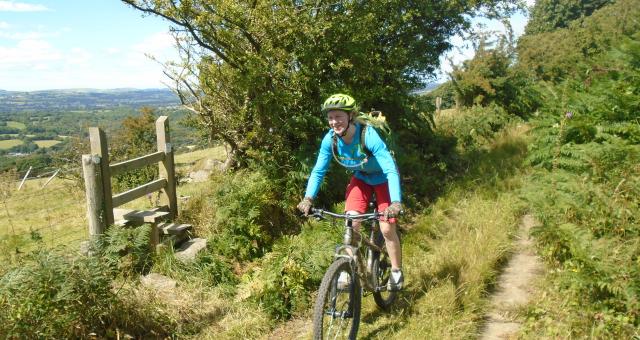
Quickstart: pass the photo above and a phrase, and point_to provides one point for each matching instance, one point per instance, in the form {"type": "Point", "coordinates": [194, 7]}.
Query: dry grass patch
{"type": "Point", "coordinates": [9, 143]}
{"type": "Point", "coordinates": [46, 143]}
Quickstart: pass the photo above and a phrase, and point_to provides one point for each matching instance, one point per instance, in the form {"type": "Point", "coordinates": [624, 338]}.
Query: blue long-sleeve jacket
{"type": "Point", "coordinates": [378, 169]}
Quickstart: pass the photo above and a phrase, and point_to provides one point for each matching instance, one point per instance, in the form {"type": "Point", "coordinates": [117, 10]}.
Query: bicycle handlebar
{"type": "Point", "coordinates": [367, 217]}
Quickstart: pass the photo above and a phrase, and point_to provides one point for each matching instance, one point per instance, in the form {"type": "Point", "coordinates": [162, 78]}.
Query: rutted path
{"type": "Point", "coordinates": [514, 286]}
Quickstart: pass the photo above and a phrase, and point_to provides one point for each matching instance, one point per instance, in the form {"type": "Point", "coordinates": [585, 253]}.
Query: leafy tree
{"type": "Point", "coordinates": [136, 138]}
{"type": "Point", "coordinates": [554, 55]}
{"type": "Point", "coordinates": [254, 72]}
{"type": "Point", "coordinates": [489, 78]}
{"type": "Point", "coordinates": [549, 15]}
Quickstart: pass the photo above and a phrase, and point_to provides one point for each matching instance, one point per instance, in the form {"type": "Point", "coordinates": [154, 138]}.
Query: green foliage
{"type": "Point", "coordinates": [125, 249]}
{"type": "Point", "coordinates": [488, 78]}
{"type": "Point", "coordinates": [136, 138]}
{"type": "Point", "coordinates": [257, 72]}
{"type": "Point", "coordinates": [447, 92]}
{"type": "Point", "coordinates": [549, 15]}
{"type": "Point", "coordinates": [247, 215]}
{"type": "Point", "coordinates": [562, 53]}
{"type": "Point", "coordinates": [476, 126]}
{"type": "Point", "coordinates": [283, 282]}
{"type": "Point", "coordinates": [585, 190]}
{"type": "Point", "coordinates": [50, 297]}
{"type": "Point", "coordinates": [208, 267]}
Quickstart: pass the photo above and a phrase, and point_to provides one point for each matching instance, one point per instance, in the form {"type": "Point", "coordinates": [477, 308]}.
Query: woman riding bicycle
{"type": "Point", "coordinates": [377, 173]}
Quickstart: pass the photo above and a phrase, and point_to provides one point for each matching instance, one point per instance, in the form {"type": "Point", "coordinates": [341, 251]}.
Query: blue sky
{"type": "Point", "coordinates": [57, 44]}
{"type": "Point", "coordinates": [47, 44]}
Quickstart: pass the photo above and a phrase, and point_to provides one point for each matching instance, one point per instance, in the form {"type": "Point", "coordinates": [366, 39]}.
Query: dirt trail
{"type": "Point", "coordinates": [514, 286]}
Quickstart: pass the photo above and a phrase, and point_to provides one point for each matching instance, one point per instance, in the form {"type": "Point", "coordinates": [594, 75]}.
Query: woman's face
{"type": "Point", "coordinates": [338, 120]}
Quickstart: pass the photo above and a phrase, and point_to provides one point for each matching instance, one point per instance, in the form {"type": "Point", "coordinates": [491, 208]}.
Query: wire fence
{"type": "Point", "coordinates": [42, 208]}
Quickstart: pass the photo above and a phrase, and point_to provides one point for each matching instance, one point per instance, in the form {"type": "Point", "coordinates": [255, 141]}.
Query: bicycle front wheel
{"type": "Point", "coordinates": [337, 311]}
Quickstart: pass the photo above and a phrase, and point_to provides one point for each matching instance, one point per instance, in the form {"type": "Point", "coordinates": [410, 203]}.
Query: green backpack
{"type": "Point", "coordinates": [375, 120]}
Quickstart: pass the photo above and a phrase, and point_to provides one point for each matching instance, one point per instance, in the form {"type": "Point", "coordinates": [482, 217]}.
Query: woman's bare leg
{"type": "Point", "coordinates": [393, 244]}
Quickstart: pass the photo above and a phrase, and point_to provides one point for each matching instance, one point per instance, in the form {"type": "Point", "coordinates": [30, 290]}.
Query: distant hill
{"type": "Point", "coordinates": [84, 99]}
{"type": "Point", "coordinates": [428, 88]}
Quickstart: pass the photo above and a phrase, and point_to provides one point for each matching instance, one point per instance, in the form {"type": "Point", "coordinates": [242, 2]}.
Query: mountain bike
{"type": "Point", "coordinates": [365, 266]}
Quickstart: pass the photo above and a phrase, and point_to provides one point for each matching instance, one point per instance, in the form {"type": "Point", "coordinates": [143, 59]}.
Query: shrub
{"type": "Point", "coordinates": [126, 250]}
{"type": "Point", "coordinates": [49, 296]}
{"type": "Point", "coordinates": [476, 126]}
{"type": "Point", "coordinates": [248, 215]}
{"type": "Point", "coordinates": [53, 297]}
{"type": "Point", "coordinates": [283, 282]}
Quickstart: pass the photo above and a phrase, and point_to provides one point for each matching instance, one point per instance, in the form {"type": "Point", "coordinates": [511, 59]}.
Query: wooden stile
{"type": "Point", "coordinates": [100, 147]}
{"type": "Point", "coordinates": [167, 170]}
{"type": "Point", "coordinates": [94, 194]}
{"type": "Point", "coordinates": [98, 172]}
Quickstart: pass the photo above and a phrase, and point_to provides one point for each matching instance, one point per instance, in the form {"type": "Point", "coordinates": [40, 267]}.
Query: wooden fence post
{"type": "Point", "coordinates": [438, 104]}
{"type": "Point", "coordinates": [166, 169]}
{"type": "Point", "coordinates": [100, 147]}
{"type": "Point", "coordinates": [25, 178]}
{"type": "Point", "coordinates": [50, 178]}
{"type": "Point", "coordinates": [94, 194]}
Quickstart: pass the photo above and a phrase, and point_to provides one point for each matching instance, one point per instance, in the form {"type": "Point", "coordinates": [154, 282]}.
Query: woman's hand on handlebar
{"type": "Point", "coordinates": [305, 205]}
{"type": "Point", "coordinates": [394, 210]}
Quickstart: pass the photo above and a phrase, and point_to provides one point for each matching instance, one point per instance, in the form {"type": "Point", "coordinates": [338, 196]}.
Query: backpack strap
{"type": "Point", "coordinates": [339, 159]}
{"type": "Point", "coordinates": [363, 145]}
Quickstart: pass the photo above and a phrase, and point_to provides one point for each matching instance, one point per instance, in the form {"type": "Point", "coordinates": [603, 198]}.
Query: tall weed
{"type": "Point", "coordinates": [284, 279]}
{"type": "Point", "coordinates": [246, 215]}
{"type": "Point", "coordinates": [585, 191]}
{"type": "Point", "coordinates": [54, 297]}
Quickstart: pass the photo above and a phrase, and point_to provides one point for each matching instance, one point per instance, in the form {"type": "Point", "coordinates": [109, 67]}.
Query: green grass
{"type": "Point", "coordinates": [452, 254]}
{"type": "Point", "coordinates": [193, 157]}
{"type": "Point", "coordinates": [9, 143]}
{"type": "Point", "coordinates": [36, 217]}
{"type": "Point", "coordinates": [46, 143]}
{"type": "Point", "coordinates": [16, 125]}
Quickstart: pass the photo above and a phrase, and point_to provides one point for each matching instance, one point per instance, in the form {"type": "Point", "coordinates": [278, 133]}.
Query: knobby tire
{"type": "Point", "coordinates": [381, 270]}
{"type": "Point", "coordinates": [337, 313]}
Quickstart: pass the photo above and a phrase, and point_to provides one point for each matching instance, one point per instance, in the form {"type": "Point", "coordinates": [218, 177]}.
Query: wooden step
{"type": "Point", "coordinates": [140, 216]}
{"type": "Point", "coordinates": [170, 228]}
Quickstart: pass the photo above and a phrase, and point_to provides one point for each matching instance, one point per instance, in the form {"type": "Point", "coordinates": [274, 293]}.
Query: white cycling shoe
{"type": "Point", "coordinates": [396, 280]}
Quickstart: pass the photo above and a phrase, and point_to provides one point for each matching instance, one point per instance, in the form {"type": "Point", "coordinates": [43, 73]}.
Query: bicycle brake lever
{"type": "Point", "coordinates": [316, 213]}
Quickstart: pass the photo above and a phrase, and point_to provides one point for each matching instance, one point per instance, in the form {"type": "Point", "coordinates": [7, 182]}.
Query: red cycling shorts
{"type": "Point", "coordinates": [359, 193]}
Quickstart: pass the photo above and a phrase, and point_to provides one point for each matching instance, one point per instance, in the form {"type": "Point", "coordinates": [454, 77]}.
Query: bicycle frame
{"type": "Point", "coordinates": [347, 250]}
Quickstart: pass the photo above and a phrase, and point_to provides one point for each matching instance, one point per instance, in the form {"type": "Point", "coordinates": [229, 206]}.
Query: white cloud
{"type": "Point", "coordinates": [78, 55]}
{"type": "Point", "coordinates": [27, 52]}
{"type": "Point", "coordinates": [12, 6]}
{"type": "Point", "coordinates": [28, 35]}
{"type": "Point", "coordinates": [4, 25]}
{"type": "Point", "coordinates": [158, 45]}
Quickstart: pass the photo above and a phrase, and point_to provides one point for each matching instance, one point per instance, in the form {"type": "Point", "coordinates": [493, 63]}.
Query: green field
{"type": "Point", "coordinates": [194, 156]}
{"type": "Point", "coordinates": [64, 222]}
{"type": "Point", "coordinates": [54, 214]}
{"type": "Point", "coordinates": [9, 143]}
{"type": "Point", "coordinates": [16, 125]}
{"type": "Point", "coordinates": [46, 143]}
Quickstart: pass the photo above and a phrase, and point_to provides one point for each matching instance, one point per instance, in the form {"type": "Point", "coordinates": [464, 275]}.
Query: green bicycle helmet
{"type": "Point", "coordinates": [339, 101]}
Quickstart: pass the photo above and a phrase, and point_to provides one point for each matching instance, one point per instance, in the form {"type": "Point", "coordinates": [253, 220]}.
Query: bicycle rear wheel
{"type": "Point", "coordinates": [381, 269]}
{"type": "Point", "coordinates": [337, 311]}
